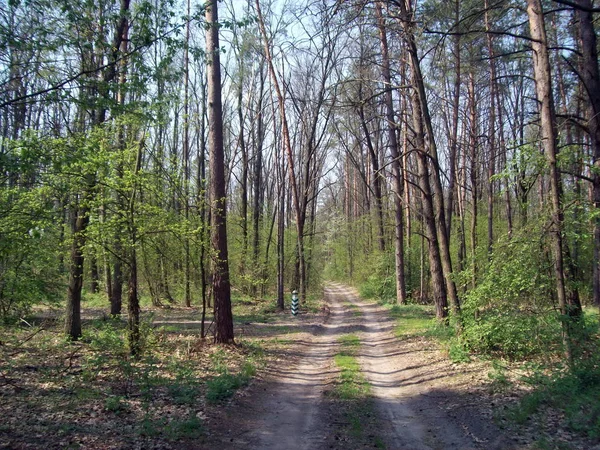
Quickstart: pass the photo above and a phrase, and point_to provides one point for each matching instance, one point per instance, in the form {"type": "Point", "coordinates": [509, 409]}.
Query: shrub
{"type": "Point", "coordinates": [511, 310]}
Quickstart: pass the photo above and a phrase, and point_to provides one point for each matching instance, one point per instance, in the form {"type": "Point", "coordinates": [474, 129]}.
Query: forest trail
{"type": "Point", "coordinates": [421, 401]}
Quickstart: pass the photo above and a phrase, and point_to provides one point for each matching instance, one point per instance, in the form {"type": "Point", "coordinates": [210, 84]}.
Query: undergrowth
{"type": "Point", "coordinates": [95, 383]}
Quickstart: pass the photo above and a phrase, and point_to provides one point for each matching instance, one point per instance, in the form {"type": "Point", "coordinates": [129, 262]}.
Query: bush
{"type": "Point", "coordinates": [574, 393]}
{"type": "Point", "coordinates": [511, 311]}
{"type": "Point", "coordinates": [224, 385]}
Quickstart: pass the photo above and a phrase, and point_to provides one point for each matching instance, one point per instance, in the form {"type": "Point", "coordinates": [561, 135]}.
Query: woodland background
{"type": "Point", "coordinates": [440, 152]}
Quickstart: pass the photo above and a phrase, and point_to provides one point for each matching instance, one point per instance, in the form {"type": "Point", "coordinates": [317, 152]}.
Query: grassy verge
{"type": "Point", "coordinates": [568, 396]}
{"type": "Point", "coordinates": [412, 320]}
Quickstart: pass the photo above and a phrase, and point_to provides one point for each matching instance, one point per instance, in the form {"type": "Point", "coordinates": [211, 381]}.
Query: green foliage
{"type": "Point", "coordinates": [457, 351]}
{"type": "Point", "coordinates": [378, 278]}
{"type": "Point", "coordinates": [511, 312]}
{"type": "Point", "coordinates": [224, 385]}
{"type": "Point", "coordinates": [349, 344]}
{"type": "Point", "coordinates": [115, 405]}
{"type": "Point", "coordinates": [351, 384]}
{"type": "Point", "coordinates": [30, 252]}
{"type": "Point", "coordinates": [500, 380]}
{"type": "Point", "coordinates": [412, 320]}
{"type": "Point", "coordinates": [184, 388]}
{"type": "Point", "coordinates": [189, 427]}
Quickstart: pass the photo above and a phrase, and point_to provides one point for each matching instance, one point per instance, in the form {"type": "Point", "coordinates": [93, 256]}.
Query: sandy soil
{"type": "Point", "coordinates": [421, 401]}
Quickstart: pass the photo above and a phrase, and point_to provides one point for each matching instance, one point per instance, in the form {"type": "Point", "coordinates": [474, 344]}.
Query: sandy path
{"type": "Point", "coordinates": [421, 401]}
{"type": "Point", "coordinates": [418, 394]}
{"type": "Point", "coordinates": [290, 411]}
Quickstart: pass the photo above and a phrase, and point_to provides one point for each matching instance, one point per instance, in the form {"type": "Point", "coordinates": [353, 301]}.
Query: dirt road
{"type": "Point", "coordinates": [421, 401]}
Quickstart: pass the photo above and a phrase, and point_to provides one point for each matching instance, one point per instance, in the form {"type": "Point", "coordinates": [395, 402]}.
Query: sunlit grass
{"type": "Point", "coordinates": [351, 384]}
{"type": "Point", "coordinates": [412, 320]}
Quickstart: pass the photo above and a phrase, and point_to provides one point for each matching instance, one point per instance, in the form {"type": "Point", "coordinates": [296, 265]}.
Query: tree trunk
{"type": "Point", "coordinates": [186, 162]}
{"type": "Point", "coordinates": [429, 146]}
{"type": "Point", "coordinates": [258, 154]}
{"type": "Point", "coordinates": [396, 167]}
{"type": "Point", "coordinates": [287, 144]}
{"type": "Point", "coordinates": [473, 138]}
{"type": "Point", "coordinates": [73, 312]}
{"type": "Point", "coordinates": [454, 130]}
{"type": "Point", "coordinates": [492, 135]}
{"type": "Point", "coordinates": [220, 281]}
{"type": "Point", "coordinates": [543, 81]}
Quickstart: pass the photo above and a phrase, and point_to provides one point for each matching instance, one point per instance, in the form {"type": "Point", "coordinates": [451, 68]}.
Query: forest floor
{"type": "Point", "coordinates": [349, 375]}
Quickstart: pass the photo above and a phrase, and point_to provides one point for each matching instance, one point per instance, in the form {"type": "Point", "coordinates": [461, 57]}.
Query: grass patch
{"type": "Point", "coordinates": [349, 344]}
{"type": "Point", "coordinates": [247, 310]}
{"type": "Point", "coordinates": [224, 385]}
{"type": "Point", "coordinates": [351, 384]}
{"type": "Point", "coordinates": [226, 382]}
{"type": "Point", "coordinates": [178, 428]}
{"type": "Point", "coordinates": [354, 309]}
{"type": "Point", "coordinates": [412, 320]}
{"type": "Point", "coordinates": [352, 394]}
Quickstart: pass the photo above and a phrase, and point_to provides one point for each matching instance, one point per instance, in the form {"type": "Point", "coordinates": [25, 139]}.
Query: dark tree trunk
{"type": "Point", "coordinates": [94, 275]}
{"type": "Point", "coordinates": [133, 305]}
{"type": "Point", "coordinates": [116, 294]}
{"type": "Point", "coordinates": [258, 155]}
{"type": "Point", "coordinates": [73, 312]}
{"type": "Point", "coordinates": [220, 279]}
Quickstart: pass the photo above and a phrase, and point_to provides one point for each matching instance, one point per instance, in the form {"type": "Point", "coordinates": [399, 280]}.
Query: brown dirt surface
{"type": "Point", "coordinates": [90, 395]}
{"type": "Point", "coordinates": [420, 399]}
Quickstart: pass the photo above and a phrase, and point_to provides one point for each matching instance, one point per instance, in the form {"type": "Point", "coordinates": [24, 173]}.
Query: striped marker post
{"type": "Point", "coordinates": [295, 303]}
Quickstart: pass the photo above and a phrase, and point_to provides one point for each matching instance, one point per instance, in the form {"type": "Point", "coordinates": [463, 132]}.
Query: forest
{"type": "Point", "coordinates": [168, 153]}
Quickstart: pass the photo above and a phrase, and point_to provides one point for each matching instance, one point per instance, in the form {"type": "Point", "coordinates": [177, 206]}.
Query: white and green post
{"type": "Point", "coordinates": [294, 303]}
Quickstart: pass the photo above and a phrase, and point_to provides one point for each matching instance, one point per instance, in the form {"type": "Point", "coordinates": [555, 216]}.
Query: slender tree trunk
{"type": "Point", "coordinates": [116, 292]}
{"type": "Point", "coordinates": [454, 130]}
{"type": "Point", "coordinates": [425, 123]}
{"type": "Point", "coordinates": [94, 275]}
{"type": "Point", "coordinates": [492, 134]}
{"type": "Point", "coordinates": [244, 176]}
{"type": "Point", "coordinates": [133, 301]}
{"type": "Point", "coordinates": [258, 167]}
{"type": "Point", "coordinates": [287, 144]}
{"type": "Point", "coordinates": [473, 144]}
{"type": "Point", "coordinates": [221, 286]}
{"type": "Point", "coordinates": [281, 245]}
{"type": "Point", "coordinates": [396, 161]}
{"type": "Point", "coordinates": [377, 178]}
{"type": "Point", "coordinates": [543, 81]}
{"type": "Point", "coordinates": [186, 161]}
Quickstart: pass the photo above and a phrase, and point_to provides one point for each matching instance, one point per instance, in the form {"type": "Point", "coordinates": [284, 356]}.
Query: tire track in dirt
{"type": "Point", "coordinates": [421, 401]}
{"type": "Point", "coordinates": [291, 411]}
{"type": "Point", "coordinates": [419, 396]}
